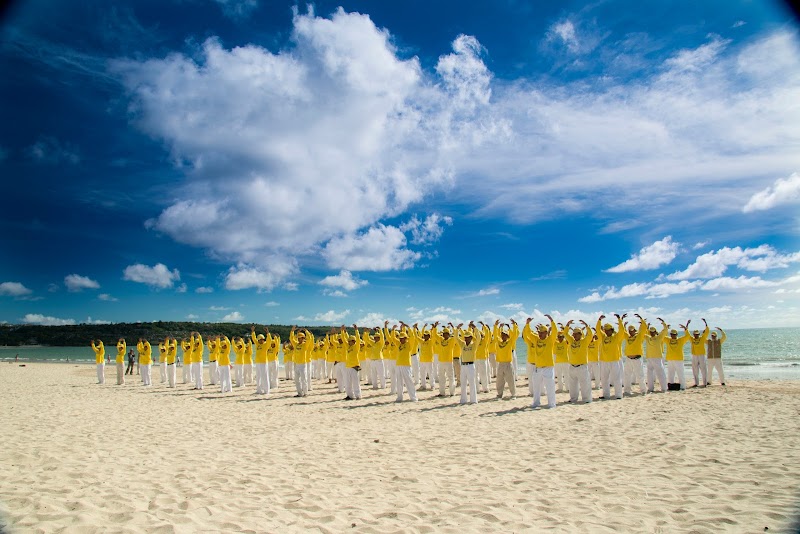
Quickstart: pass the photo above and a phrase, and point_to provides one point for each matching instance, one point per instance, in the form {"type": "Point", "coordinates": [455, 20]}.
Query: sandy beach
{"type": "Point", "coordinates": [80, 457]}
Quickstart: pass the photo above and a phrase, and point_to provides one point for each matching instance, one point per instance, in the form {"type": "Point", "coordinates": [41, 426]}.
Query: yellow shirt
{"type": "Point", "coordinates": [698, 346]}
{"type": "Point", "coordinates": [579, 350]}
{"type": "Point", "coordinates": [633, 344]}
{"type": "Point", "coordinates": [99, 352]}
{"type": "Point", "coordinates": [610, 345]}
{"type": "Point", "coordinates": [374, 346]}
{"type": "Point", "coordinates": [561, 349]}
{"type": "Point", "coordinates": [675, 347]}
{"type": "Point", "coordinates": [540, 351]}
{"type": "Point", "coordinates": [172, 350]}
{"type": "Point", "coordinates": [122, 348]}
{"type": "Point", "coordinates": [444, 347]}
{"type": "Point", "coordinates": [407, 348]}
{"type": "Point", "coordinates": [261, 348]}
{"type": "Point", "coordinates": [239, 349]}
{"type": "Point", "coordinates": [162, 353]}
{"type": "Point", "coordinates": [186, 348]}
{"type": "Point", "coordinates": [469, 352]}
{"type": "Point", "coordinates": [274, 348]}
{"type": "Point", "coordinates": [505, 348]}
{"type": "Point", "coordinates": [197, 349]}
{"type": "Point", "coordinates": [352, 350]}
{"type": "Point", "coordinates": [654, 345]}
{"type": "Point", "coordinates": [484, 343]}
{"type": "Point", "coordinates": [224, 355]}
{"type": "Point", "coordinates": [145, 353]}
{"type": "Point", "coordinates": [213, 350]}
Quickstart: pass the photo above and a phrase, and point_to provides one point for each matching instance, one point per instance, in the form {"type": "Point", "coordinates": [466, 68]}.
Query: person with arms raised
{"type": "Point", "coordinates": [407, 342]}
{"type": "Point", "coordinates": [714, 355]}
{"type": "Point", "coordinates": [654, 354]}
{"type": "Point", "coordinates": [542, 361]}
{"type": "Point", "coordinates": [697, 346]}
{"type": "Point", "coordinates": [145, 360]}
{"type": "Point", "coordinates": [468, 341]}
{"type": "Point", "coordinates": [122, 348]}
{"type": "Point", "coordinates": [611, 355]}
{"type": "Point", "coordinates": [506, 342]}
{"type": "Point", "coordinates": [100, 360]}
{"type": "Point", "coordinates": [579, 378]}
{"type": "Point", "coordinates": [633, 357]}
{"type": "Point", "coordinates": [172, 351]}
{"type": "Point", "coordinates": [675, 358]}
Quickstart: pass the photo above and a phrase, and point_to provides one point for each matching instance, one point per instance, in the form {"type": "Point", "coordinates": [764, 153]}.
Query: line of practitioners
{"type": "Point", "coordinates": [409, 357]}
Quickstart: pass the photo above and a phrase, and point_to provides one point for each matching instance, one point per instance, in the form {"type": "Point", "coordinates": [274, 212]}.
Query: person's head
{"type": "Point", "coordinates": [426, 336]}
{"type": "Point", "coordinates": [446, 334]}
{"type": "Point", "coordinates": [260, 338]}
{"type": "Point", "coordinates": [673, 333]}
{"type": "Point", "coordinates": [696, 334]}
{"type": "Point", "coordinates": [504, 335]}
{"type": "Point", "coordinates": [352, 340]}
{"type": "Point", "coordinates": [608, 329]}
{"type": "Point", "coordinates": [468, 337]}
{"type": "Point", "coordinates": [653, 331]}
{"type": "Point", "coordinates": [577, 334]}
{"type": "Point", "coordinates": [541, 330]}
{"type": "Point", "coordinates": [631, 330]}
{"type": "Point", "coordinates": [713, 335]}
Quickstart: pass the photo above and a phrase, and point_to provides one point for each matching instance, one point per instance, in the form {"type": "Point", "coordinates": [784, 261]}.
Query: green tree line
{"type": "Point", "coordinates": [82, 334]}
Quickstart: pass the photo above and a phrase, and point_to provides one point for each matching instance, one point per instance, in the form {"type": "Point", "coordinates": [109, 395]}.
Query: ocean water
{"type": "Point", "coordinates": [753, 353]}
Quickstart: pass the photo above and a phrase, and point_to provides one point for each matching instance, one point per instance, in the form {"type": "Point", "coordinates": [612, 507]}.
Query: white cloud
{"type": "Point", "coordinates": [218, 308]}
{"type": "Point", "coordinates": [653, 256]}
{"type": "Point", "coordinates": [204, 290]}
{"type": "Point", "coordinates": [428, 231]}
{"type": "Point", "coordinates": [738, 24]}
{"type": "Point", "coordinates": [36, 318]}
{"type": "Point", "coordinates": [181, 288]}
{"type": "Point", "coordinates": [291, 286]}
{"type": "Point", "coordinates": [380, 248]}
{"type": "Point", "coordinates": [51, 151]}
{"type": "Point", "coordinates": [344, 280]}
{"type": "Point", "coordinates": [486, 292]}
{"type": "Point", "coordinates": [513, 306]}
{"type": "Point", "coordinates": [331, 316]}
{"type": "Point", "coordinates": [334, 293]}
{"type": "Point", "coordinates": [237, 9]}
{"type": "Point", "coordinates": [192, 317]}
{"type": "Point", "coordinates": [271, 304]}
{"type": "Point", "coordinates": [76, 282]}
{"type": "Point", "coordinates": [106, 297]}
{"type": "Point", "coordinates": [158, 276]}
{"type": "Point", "coordinates": [373, 319]}
{"type": "Point", "coordinates": [648, 290]}
{"type": "Point", "coordinates": [701, 244]}
{"type": "Point", "coordinates": [233, 317]}
{"type": "Point", "coordinates": [89, 320]}
{"type": "Point", "coordinates": [13, 289]}
{"type": "Point", "coordinates": [783, 191]}
{"type": "Point", "coordinates": [245, 277]}
{"type": "Point", "coordinates": [713, 264]}
{"type": "Point", "coordinates": [727, 283]}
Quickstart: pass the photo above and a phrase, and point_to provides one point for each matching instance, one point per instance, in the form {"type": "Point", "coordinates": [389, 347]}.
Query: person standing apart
{"type": "Point", "coordinates": [224, 360]}
{"type": "Point", "coordinates": [145, 360]}
{"type": "Point", "coordinates": [122, 348]}
{"type": "Point", "coordinates": [633, 357]}
{"type": "Point", "coordinates": [172, 352]}
{"type": "Point", "coordinates": [540, 349]}
{"type": "Point", "coordinates": [100, 359]}
{"type": "Point", "coordinates": [468, 341]}
{"type": "Point", "coordinates": [674, 346]}
{"type": "Point", "coordinates": [654, 354]}
{"type": "Point", "coordinates": [611, 355]}
{"type": "Point", "coordinates": [714, 356]}
{"type": "Point", "coordinates": [697, 346]}
{"type": "Point", "coordinates": [131, 362]}
{"type": "Point", "coordinates": [506, 342]}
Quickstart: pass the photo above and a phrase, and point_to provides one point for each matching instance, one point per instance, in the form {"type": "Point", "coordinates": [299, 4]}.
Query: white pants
{"type": "Point", "coordinates": [579, 380]}
{"type": "Point", "coordinates": [187, 372]}
{"type": "Point", "coordinates": [248, 373]}
{"type": "Point", "coordinates": [529, 370]}
{"type": "Point", "coordinates": [634, 373]}
{"type": "Point", "coordinates": [309, 376]}
{"type": "Point", "coordinates": [238, 371]}
{"type": "Point", "coordinates": [120, 374]}
{"type": "Point", "coordinates": [426, 377]}
{"type": "Point", "coordinates": [171, 375]}
{"type": "Point", "coordinates": [101, 373]}
{"type": "Point", "coordinates": [676, 367]}
{"type": "Point", "coordinates": [390, 366]}
{"type": "Point", "coordinates": [415, 368]}
{"type": "Point", "coordinates": [482, 372]}
{"type": "Point", "coordinates": [468, 380]}
{"type": "Point", "coordinates": [353, 385]}
{"type": "Point", "coordinates": [700, 370]}
{"type": "Point", "coordinates": [404, 378]}
{"type": "Point", "coordinates": [505, 374]}
{"type": "Point", "coordinates": [162, 367]}
{"type": "Point", "coordinates": [339, 373]}
{"type": "Point", "coordinates": [446, 373]}
{"type": "Point", "coordinates": [272, 369]}
{"type": "Point", "coordinates": [493, 364]}
{"type": "Point", "coordinates": [288, 368]}
{"type": "Point", "coordinates": [562, 372]}
{"type": "Point", "coordinates": [225, 378]}
{"type": "Point", "coordinates": [715, 363]}
{"type": "Point", "coordinates": [145, 373]}
{"type": "Point", "coordinates": [301, 379]}
{"type": "Point", "coordinates": [655, 370]}
{"type": "Point", "coordinates": [329, 367]}
{"type": "Point", "coordinates": [594, 370]}
{"type": "Point", "coordinates": [611, 372]}
{"type": "Point", "coordinates": [213, 373]}
{"type": "Point", "coordinates": [377, 374]}
{"type": "Point", "coordinates": [197, 371]}
{"type": "Point", "coordinates": [546, 376]}
{"type": "Point", "coordinates": [262, 379]}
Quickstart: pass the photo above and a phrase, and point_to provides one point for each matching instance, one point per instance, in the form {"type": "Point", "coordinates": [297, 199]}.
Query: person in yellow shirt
{"type": "Point", "coordinates": [561, 354]}
{"type": "Point", "coordinates": [224, 361]}
{"type": "Point", "coordinates": [506, 343]}
{"type": "Point", "coordinates": [374, 345]}
{"type": "Point", "coordinates": [145, 360]}
{"type": "Point", "coordinates": [262, 370]}
{"type": "Point", "coordinates": [426, 348]}
{"type": "Point", "coordinates": [633, 357]}
{"type": "Point", "coordinates": [390, 357]}
{"type": "Point", "coordinates": [697, 346]}
{"type": "Point", "coordinates": [714, 356]}
{"type": "Point", "coordinates": [482, 358]}
{"type": "Point", "coordinates": [247, 367]}
{"type": "Point", "coordinates": [352, 349]}
{"type": "Point", "coordinates": [288, 362]}
{"type": "Point", "coordinates": [654, 354]}
{"type": "Point", "coordinates": [445, 345]}
{"type": "Point", "coordinates": [213, 360]}
{"type": "Point", "coordinates": [162, 361]}
{"type": "Point", "coordinates": [197, 359]}
{"type": "Point", "coordinates": [274, 342]}
{"type": "Point", "coordinates": [407, 342]}
{"type": "Point", "coordinates": [302, 343]}
{"type": "Point", "coordinates": [469, 342]}
{"type": "Point", "coordinates": [172, 351]}
{"type": "Point", "coordinates": [122, 348]}
{"type": "Point", "coordinates": [675, 358]}
{"type": "Point", "coordinates": [186, 351]}
{"type": "Point", "coordinates": [594, 359]}
{"type": "Point", "coordinates": [611, 355]}
{"type": "Point", "coordinates": [579, 379]}
{"type": "Point", "coordinates": [100, 359]}
{"type": "Point", "coordinates": [541, 360]}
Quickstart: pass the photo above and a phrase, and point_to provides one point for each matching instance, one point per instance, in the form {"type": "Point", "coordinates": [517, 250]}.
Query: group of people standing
{"type": "Point", "coordinates": [560, 357]}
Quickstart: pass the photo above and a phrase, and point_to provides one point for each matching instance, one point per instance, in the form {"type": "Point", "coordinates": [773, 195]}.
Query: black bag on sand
{"type": "Point", "coordinates": [674, 386]}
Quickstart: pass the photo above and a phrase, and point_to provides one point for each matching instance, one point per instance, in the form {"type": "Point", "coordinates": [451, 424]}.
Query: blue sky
{"type": "Point", "coordinates": [358, 161]}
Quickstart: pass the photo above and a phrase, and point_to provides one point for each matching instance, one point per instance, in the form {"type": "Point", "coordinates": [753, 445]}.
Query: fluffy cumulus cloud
{"type": "Point", "coordinates": [46, 320]}
{"type": "Point", "coordinates": [427, 231]}
{"type": "Point", "coordinates": [331, 316]}
{"type": "Point", "coordinates": [13, 289]}
{"type": "Point", "coordinates": [380, 248]}
{"type": "Point", "coordinates": [758, 259]}
{"type": "Point", "coordinates": [373, 319]}
{"type": "Point", "coordinates": [650, 257]}
{"type": "Point", "coordinates": [204, 290]}
{"type": "Point", "coordinates": [783, 191]}
{"type": "Point", "coordinates": [648, 290]}
{"type": "Point", "coordinates": [344, 280]}
{"type": "Point", "coordinates": [76, 282]}
{"type": "Point", "coordinates": [158, 276]}
{"type": "Point", "coordinates": [233, 317]}
{"type": "Point", "coordinates": [106, 297]}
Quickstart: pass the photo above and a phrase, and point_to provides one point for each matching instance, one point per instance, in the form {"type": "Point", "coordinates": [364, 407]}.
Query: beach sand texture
{"type": "Point", "coordinates": [79, 457]}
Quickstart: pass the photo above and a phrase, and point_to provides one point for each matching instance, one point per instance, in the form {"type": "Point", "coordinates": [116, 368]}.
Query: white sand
{"type": "Point", "coordinates": [79, 457]}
